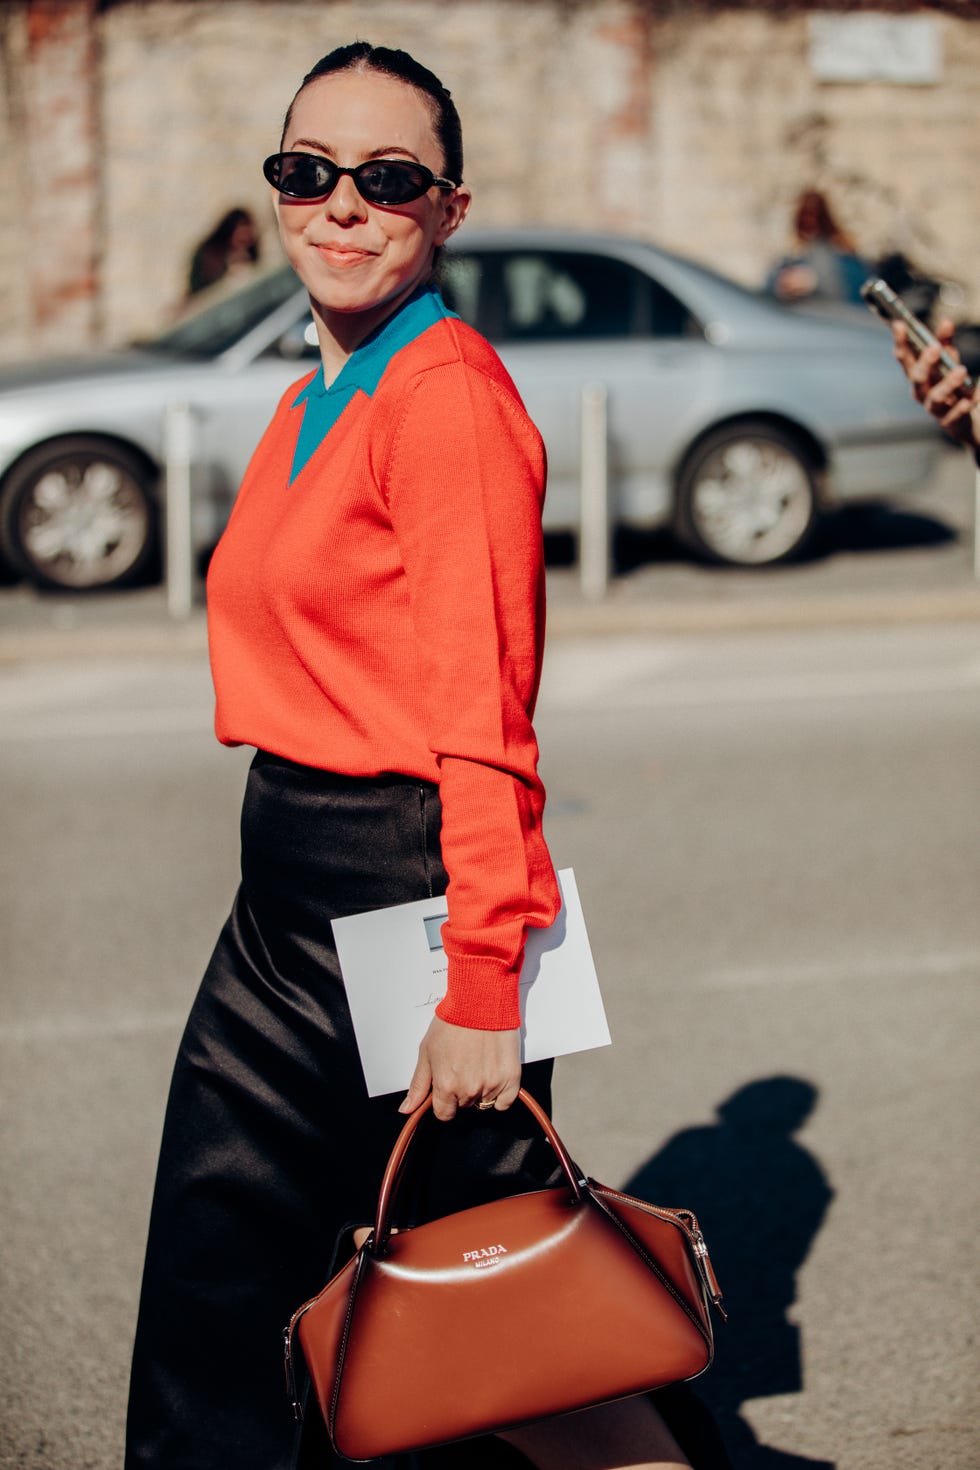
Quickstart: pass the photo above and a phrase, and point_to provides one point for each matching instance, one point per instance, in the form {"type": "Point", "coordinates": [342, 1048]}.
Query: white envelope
{"type": "Point", "coordinates": [394, 970]}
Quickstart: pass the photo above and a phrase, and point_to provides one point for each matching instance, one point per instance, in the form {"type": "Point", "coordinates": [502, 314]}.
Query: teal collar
{"type": "Point", "coordinates": [362, 372]}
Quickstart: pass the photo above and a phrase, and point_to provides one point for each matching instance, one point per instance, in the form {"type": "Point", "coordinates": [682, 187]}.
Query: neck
{"type": "Point", "coordinates": [340, 333]}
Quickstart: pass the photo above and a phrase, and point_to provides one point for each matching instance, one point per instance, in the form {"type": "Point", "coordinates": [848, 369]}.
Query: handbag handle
{"type": "Point", "coordinates": [378, 1241]}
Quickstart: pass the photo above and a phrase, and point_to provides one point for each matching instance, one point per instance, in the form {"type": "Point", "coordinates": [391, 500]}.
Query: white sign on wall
{"type": "Point", "coordinates": [906, 49]}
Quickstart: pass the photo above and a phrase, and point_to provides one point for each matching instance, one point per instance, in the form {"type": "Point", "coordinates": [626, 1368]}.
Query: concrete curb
{"type": "Point", "coordinates": [830, 610]}
{"type": "Point", "coordinates": [158, 638]}
{"type": "Point", "coordinates": [105, 640]}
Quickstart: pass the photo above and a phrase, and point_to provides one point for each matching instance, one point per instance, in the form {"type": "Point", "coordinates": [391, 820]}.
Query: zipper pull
{"type": "Point", "coordinates": [708, 1273]}
{"type": "Point", "coordinates": [287, 1345]}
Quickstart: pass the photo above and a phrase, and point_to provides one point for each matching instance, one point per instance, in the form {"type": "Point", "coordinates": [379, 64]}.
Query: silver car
{"type": "Point", "coordinates": [731, 419]}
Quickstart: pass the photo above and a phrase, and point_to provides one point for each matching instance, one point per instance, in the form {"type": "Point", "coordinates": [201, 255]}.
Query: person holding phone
{"type": "Point", "coordinates": [940, 390]}
{"type": "Point", "coordinates": [824, 264]}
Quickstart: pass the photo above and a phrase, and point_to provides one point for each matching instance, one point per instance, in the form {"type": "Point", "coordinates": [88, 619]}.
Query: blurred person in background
{"type": "Point", "coordinates": [231, 249]}
{"type": "Point", "coordinates": [824, 264]}
{"type": "Point", "coordinates": [941, 392]}
{"type": "Point", "coordinates": [375, 612]}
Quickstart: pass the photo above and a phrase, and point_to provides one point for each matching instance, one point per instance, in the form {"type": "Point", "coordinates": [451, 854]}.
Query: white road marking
{"type": "Point", "coordinates": [820, 685]}
{"type": "Point", "coordinates": [106, 701]}
{"type": "Point", "coordinates": [600, 668]}
{"type": "Point", "coordinates": [926, 966]}
{"type": "Point", "coordinates": [929, 965]}
{"type": "Point", "coordinates": [88, 1028]}
{"type": "Point", "coordinates": [89, 724]}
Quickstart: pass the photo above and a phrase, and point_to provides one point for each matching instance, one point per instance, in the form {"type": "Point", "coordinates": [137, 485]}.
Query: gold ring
{"type": "Point", "coordinates": [486, 1104]}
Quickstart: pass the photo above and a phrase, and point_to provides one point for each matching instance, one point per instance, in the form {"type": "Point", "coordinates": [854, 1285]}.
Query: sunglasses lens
{"type": "Point", "coordinates": [390, 181]}
{"type": "Point", "coordinates": [304, 176]}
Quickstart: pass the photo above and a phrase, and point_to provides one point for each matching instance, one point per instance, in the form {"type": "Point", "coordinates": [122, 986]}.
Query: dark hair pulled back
{"type": "Point", "coordinates": [362, 56]}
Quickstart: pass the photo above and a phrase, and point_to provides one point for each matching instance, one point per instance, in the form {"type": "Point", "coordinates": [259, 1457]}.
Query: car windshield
{"type": "Point", "coordinates": [215, 327]}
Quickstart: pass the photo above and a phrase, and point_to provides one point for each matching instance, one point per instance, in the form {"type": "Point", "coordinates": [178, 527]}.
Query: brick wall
{"type": "Point", "coordinates": [50, 175]}
{"type": "Point", "coordinates": [744, 126]}
{"type": "Point", "coordinates": [14, 309]}
{"type": "Point", "coordinates": [690, 125]}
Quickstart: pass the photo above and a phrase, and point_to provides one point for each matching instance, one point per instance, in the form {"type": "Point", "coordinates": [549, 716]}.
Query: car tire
{"type": "Point", "coordinates": [747, 495]}
{"type": "Point", "coordinates": [78, 514]}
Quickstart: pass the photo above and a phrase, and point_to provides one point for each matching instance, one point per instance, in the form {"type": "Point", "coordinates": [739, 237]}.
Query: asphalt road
{"type": "Point", "coordinates": [775, 838]}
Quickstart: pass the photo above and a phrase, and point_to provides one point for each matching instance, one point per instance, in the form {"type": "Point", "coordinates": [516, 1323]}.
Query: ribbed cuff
{"type": "Point", "coordinates": [482, 994]}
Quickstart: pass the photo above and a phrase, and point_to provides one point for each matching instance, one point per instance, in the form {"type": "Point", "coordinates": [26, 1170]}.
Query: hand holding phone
{"type": "Point", "coordinates": [879, 296]}
{"type": "Point", "coordinates": [940, 383]}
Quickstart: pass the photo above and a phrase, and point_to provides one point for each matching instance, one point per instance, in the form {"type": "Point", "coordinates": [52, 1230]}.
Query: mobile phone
{"type": "Point", "coordinates": [877, 294]}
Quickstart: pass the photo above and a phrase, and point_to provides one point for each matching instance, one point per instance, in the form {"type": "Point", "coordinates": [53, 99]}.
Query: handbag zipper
{"type": "Point", "coordinates": [708, 1273]}
{"type": "Point", "coordinates": [287, 1344]}
{"type": "Point", "coordinates": [287, 1356]}
{"type": "Point", "coordinates": [686, 1221]}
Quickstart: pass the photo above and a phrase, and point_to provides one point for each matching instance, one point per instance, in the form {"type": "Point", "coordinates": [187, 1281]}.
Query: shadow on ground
{"type": "Point", "coordinates": [863, 528]}
{"type": "Point", "coordinates": [761, 1199]}
{"type": "Point", "coordinates": [852, 530]}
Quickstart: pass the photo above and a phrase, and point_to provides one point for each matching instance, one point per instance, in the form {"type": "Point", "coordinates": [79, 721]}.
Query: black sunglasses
{"type": "Point", "coordinates": [379, 180]}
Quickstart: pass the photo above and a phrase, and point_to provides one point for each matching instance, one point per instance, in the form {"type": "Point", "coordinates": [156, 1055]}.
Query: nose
{"type": "Point", "coordinates": [345, 204]}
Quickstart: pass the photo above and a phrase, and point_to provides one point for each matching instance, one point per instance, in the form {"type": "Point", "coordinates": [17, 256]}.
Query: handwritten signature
{"type": "Point", "coordinates": [432, 999]}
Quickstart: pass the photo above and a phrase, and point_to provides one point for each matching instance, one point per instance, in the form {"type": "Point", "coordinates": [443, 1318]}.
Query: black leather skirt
{"type": "Point", "coordinates": [271, 1146]}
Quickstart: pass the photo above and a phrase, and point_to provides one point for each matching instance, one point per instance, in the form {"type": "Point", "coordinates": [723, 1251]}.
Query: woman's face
{"type": "Point", "coordinates": [809, 217]}
{"type": "Point", "coordinates": [354, 257]}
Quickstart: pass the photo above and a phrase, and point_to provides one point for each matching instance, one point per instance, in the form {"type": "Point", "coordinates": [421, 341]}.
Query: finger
{"type": "Point", "coordinates": [924, 367]}
{"type": "Point", "coordinates": [419, 1087]}
{"type": "Point", "coordinates": [482, 1097]}
{"type": "Point", "coordinates": [947, 390]}
{"type": "Point", "coordinates": [945, 331]}
{"type": "Point", "coordinates": [959, 412]}
{"type": "Point", "coordinates": [444, 1105]}
{"type": "Point", "coordinates": [904, 351]}
{"type": "Point", "coordinates": [507, 1096]}
{"type": "Point", "coordinates": [363, 1231]}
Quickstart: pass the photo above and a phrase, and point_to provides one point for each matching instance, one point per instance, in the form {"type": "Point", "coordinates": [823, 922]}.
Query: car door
{"type": "Point", "coordinates": [234, 404]}
{"type": "Point", "coordinates": [563, 319]}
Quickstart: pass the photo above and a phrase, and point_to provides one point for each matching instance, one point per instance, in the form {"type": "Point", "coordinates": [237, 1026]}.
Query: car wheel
{"type": "Point", "coordinates": [78, 514]}
{"type": "Point", "coordinates": [747, 496]}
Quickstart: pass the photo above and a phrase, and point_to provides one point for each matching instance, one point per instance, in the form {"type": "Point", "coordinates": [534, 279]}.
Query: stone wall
{"type": "Point", "coordinates": [50, 176]}
{"type": "Point", "coordinates": [692, 125]}
{"type": "Point", "coordinates": [742, 126]}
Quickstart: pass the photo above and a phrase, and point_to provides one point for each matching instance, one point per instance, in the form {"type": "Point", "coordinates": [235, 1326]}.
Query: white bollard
{"type": "Point", "coordinates": [595, 532]}
{"type": "Point", "coordinates": [178, 551]}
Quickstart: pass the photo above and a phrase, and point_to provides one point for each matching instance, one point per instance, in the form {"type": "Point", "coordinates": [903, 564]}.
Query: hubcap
{"type": "Point", "coordinates": [752, 501]}
{"type": "Point", "coordinates": [84, 524]}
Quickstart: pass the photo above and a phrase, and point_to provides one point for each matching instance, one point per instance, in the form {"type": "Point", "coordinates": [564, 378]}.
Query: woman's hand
{"type": "Point", "coordinates": [796, 281]}
{"type": "Point", "coordinates": [463, 1068]}
{"type": "Point", "coordinates": [940, 392]}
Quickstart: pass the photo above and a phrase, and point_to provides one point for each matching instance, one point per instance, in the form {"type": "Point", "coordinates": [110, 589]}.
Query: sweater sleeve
{"type": "Point", "coordinates": [464, 481]}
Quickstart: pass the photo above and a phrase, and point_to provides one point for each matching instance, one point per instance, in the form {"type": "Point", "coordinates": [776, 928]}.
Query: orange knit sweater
{"type": "Point", "coordinates": [384, 612]}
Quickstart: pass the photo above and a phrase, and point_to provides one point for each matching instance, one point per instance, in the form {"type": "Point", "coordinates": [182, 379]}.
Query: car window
{"type": "Point", "coordinates": [215, 328]}
{"type": "Point", "coordinates": [540, 295]}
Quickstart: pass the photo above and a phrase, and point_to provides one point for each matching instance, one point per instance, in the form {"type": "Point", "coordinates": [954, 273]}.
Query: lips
{"type": "Point", "coordinates": [342, 255]}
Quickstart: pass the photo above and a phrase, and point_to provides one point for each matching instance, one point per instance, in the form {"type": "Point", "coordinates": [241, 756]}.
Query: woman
{"type": "Point", "coordinates": [825, 265]}
{"type": "Point", "coordinates": [375, 624]}
{"type": "Point", "coordinates": [231, 248]}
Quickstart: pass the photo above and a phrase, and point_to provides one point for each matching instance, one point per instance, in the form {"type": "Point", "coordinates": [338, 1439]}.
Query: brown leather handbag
{"type": "Point", "coordinates": [504, 1314]}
